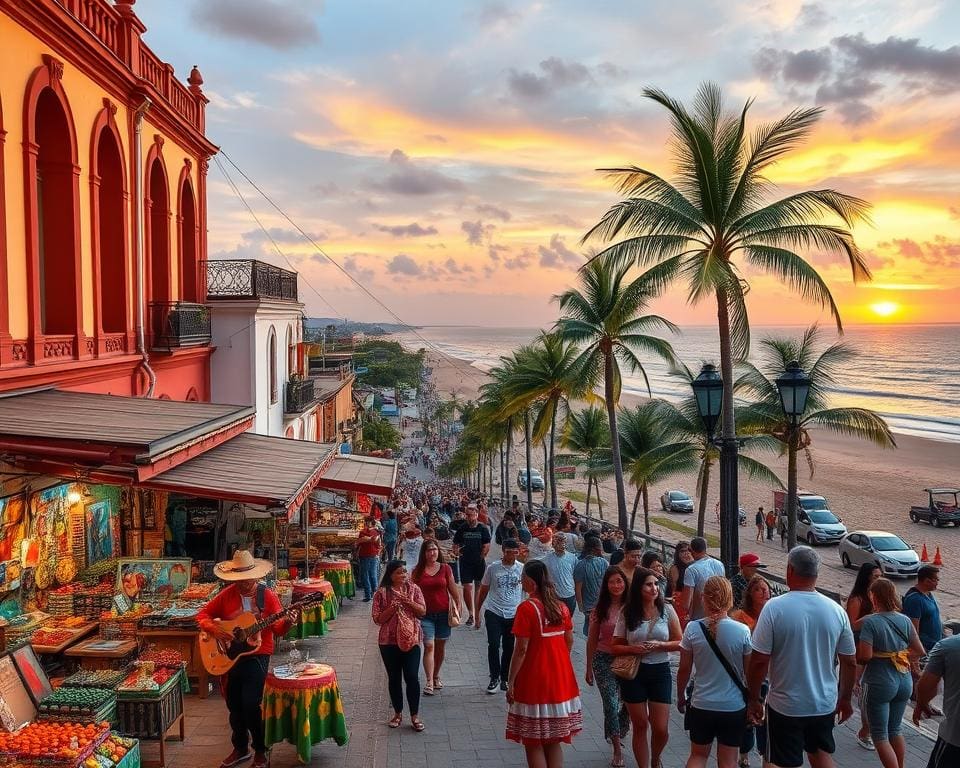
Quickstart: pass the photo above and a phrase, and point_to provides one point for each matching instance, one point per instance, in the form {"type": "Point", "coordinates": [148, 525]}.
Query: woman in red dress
{"type": "Point", "coordinates": [542, 689]}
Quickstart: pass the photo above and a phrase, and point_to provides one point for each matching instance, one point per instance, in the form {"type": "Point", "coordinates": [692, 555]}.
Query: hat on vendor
{"type": "Point", "coordinates": [242, 566]}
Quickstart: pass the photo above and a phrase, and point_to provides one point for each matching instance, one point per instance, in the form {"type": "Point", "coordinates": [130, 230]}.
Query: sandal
{"type": "Point", "coordinates": [417, 724]}
{"type": "Point", "coordinates": [428, 690]}
{"type": "Point", "coordinates": [617, 762]}
{"type": "Point", "coordinates": [438, 684]}
{"type": "Point", "coordinates": [394, 722]}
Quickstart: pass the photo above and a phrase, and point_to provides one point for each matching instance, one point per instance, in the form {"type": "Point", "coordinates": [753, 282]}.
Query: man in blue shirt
{"type": "Point", "coordinates": [921, 606]}
{"type": "Point", "coordinates": [588, 577]}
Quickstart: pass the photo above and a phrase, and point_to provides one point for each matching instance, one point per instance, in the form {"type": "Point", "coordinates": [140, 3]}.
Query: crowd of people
{"type": "Point", "coordinates": [748, 668]}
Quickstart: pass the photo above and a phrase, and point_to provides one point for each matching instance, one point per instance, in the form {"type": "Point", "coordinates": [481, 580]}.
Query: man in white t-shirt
{"type": "Point", "coordinates": [798, 638]}
{"type": "Point", "coordinates": [696, 575]}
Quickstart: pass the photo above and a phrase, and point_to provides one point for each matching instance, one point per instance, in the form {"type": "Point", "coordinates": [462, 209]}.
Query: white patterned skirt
{"type": "Point", "coordinates": [532, 724]}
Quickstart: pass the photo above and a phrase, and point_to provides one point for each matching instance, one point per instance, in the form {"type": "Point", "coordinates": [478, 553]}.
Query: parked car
{"type": "Point", "coordinates": [676, 501]}
{"type": "Point", "coordinates": [817, 526]}
{"type": "Point", "coordinates": [942, 508]}
{"type": "Point", "coordinates": [536, 480]}
{"type": "Point", "coordinates": [891, 553]}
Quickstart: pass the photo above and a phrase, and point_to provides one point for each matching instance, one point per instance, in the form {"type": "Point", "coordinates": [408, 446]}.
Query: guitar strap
{"type": "Point", "coordinates": [261, 598]}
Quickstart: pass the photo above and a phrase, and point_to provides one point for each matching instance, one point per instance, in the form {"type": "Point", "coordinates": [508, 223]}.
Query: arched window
{"type": "Point", "coordinates": [192, 396]}
{"type": "Point", "coordinates": [56, 189]}
{"type": "Point", "coordinates": [109, 231]}
{"type": "Point", "coordinates": [158, 216]}
{"type": "Point", "coordinates": [272, 365]}
{"type": "Point", "coordinates": [187, 236]}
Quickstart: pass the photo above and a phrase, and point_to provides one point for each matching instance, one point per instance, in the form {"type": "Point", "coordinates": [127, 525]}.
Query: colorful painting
{"type": "Point", "coordinates": [101, 532]}
{"type": "Point", "coordinates": [30, 669]}
{"type": "Point", "coordinates": [140, 578]}
{"type": "Point", "coordinates": [11, 526]}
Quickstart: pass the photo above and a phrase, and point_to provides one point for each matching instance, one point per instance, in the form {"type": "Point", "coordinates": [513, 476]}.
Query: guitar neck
{"type": "Point", "coordinates": [264, 623]}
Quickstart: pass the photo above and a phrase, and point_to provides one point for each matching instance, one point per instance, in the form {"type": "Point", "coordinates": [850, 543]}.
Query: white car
{"type": "Point", "coordinates": [818, 526]}
{"type": "Point", "coordinates": [891, 553]}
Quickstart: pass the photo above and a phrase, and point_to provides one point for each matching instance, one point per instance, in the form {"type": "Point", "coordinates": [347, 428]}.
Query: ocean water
{"type": "Point", "coordinates": [908, 373]}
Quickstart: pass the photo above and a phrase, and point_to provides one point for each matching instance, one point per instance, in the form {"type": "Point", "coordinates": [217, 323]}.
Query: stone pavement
{"type": "Point", "coordinates": [463, 722]}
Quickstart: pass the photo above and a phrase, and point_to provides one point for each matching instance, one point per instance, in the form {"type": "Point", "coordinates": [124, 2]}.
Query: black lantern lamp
{"type": "Point", "coordinates": [794, 387]}
{"type": "Point", "coordinates": [708, 391]}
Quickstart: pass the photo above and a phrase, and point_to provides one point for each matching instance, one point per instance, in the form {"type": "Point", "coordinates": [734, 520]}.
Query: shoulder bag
{"type": "Point", "coordinates": [724, 663]}
{"type": "Point", "coordinates": [407, 625]}
{"type": "Point", "coordinates": [453, 610]}
{"type": "Point", "coordinates": [626, 666]}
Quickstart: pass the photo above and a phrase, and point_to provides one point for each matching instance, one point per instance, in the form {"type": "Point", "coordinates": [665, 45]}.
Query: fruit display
{"type": "Point", "coordinates": [67, 622]}
{"type": "Point", "coordinates": [77, 702]}
{"type": "Point", "coordinates": [99, 678]}
{"type": "Point", "coordinates": [165, 657]}
{"type": "Point", "coordinates": [51, 637]}
{"type": "Point", "coordinates": [54, 743]}
{"type": "Point", "coordinates": [111, 752]}
{"type": "Point", "coordinates": [199, 591]}
{"type": "Point", "coordinates": [146, 677]}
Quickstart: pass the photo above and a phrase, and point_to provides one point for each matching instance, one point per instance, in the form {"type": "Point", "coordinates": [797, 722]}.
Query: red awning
{"type": "Point", "coordinates": [253, 469]}
{"type": "Point", "coordinates": [360, 474]}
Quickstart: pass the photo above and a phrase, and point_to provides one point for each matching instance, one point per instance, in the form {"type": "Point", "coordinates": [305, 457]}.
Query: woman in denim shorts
{"type": "Point", "coordinates": [435, 579]}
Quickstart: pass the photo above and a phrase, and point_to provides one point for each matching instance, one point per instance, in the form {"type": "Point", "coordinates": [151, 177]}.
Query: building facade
{"type": "Point", "coordinates": [103, 163]}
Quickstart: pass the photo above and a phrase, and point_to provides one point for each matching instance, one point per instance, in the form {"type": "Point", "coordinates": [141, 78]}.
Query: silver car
{"type": "Point", "coordinates": [676, 501]}
{"type": "Point", "coordinates": [891, 553]}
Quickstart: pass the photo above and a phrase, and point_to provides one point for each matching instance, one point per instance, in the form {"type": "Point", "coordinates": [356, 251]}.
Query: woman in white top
{"type": "Point", "coordinates": [717, 710]}
{"type": "Point", "coordinates": [649, 629]}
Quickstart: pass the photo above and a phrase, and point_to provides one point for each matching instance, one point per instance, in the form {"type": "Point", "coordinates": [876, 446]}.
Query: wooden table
{"type": "Point", "coordinates": [113, 655]}
{"type": "Point", "coordinates": [186, 642]}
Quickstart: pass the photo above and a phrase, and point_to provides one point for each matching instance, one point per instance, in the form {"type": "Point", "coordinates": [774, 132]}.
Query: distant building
{"type": "Point", "coordinates": [96, 130]}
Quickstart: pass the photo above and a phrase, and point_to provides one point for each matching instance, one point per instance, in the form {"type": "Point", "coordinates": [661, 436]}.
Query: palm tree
{"type": "Point", "coordinates": [650, 453]}
{"type": "Point", "coordinates": [684, 423]}
{"type": "Point", "coordinates": [544, 374]}
{"type": "Point", "coordinates": [603, 317]}
{"type": "Point", "coordinates": [717, 213]}
{"type": "Point", "coordinates": [588, 433]}
{"type": "Point", "coordinates": [823, 366]}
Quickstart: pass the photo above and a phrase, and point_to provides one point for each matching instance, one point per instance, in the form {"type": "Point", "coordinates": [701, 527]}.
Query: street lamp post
{"type": "Point", "coordinates": [708, 392]}
{"type": "Point", "coordinates": [794, 387]}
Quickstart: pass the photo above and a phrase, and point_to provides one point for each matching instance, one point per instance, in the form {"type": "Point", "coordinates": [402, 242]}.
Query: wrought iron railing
{"type": "Point", "coordinates": [300, 395]}
{"type": "Point", "coordinates": [179, 324]}
{"type": "Point", "coordinates": [249, 279]}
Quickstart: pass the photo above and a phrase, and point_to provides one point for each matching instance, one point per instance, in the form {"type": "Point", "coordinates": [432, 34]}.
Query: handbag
{"type": "Point", "coordinates": [453, 614]}
{"type": "Point", "coordinates": [407, 626]}
{"type": "Point", "coordinates": [626, 666]}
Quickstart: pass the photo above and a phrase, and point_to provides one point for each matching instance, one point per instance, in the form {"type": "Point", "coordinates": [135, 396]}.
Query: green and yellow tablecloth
{"type": "Point", "coordinates": [314, 621]}
{"type": "Point", "coordinates": [304, 710]}
{"type": "Point", "coordinates": [340, 574]}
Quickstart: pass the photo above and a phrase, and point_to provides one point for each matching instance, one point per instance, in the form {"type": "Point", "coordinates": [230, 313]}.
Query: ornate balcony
{"type": "Point", "coordinates": [232, 279]}
{"type": "Point", "coordinates": [178, 324]}
{"type": "Point", "coordinates": [300, 395]}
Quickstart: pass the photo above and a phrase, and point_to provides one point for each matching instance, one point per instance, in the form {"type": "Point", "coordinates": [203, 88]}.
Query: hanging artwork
{"type": "Point", "coordinates": [140, 578]}
{"type": "Point", "coordinates": [34, 678]}
{"type": "Point", "coordinates": [11, 526]}
{"type": "Point", "coordinates": [101, 532]}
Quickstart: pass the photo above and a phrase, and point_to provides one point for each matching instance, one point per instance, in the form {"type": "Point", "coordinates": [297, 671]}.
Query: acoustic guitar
{"type": "Point", "coordinates": [219, 656]}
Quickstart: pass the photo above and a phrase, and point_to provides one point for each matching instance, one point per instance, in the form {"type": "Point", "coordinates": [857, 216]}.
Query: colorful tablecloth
{"type": "Point", "coordinates": [304, 710]}
{"type": "Point", "coordinates": [340, 575]}
{"type": "Point", "coordinates": [313, 622]}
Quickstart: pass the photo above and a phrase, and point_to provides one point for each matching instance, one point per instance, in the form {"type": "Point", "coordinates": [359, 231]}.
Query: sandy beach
{"type": "Point", "coordinates": [868, 487]}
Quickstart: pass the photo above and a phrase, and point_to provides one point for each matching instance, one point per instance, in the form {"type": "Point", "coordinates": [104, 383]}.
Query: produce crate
{"type": "Point", "coordinates": [150, 717]}
{"type": "Point", "coordinates": [119, 628]}
{"type": "Point", "coordinates": [106, 713]}
{"type": "Point", "coordinates": [101, 678]}
{"type": "Point", "coordinates": [91, 604]}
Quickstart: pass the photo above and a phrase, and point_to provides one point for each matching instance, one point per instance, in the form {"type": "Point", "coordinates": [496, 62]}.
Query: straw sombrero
{"type": "Point", "coordinates": [242, 566]}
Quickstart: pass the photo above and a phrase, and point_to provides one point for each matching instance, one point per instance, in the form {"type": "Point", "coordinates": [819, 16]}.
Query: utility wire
{"type": "Point", "coordinates": [469, 371]}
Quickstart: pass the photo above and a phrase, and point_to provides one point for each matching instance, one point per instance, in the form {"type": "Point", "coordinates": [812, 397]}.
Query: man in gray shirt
{"type": "Point", "coordinates": [587, 578]}
{"type": "Point", "coordinates": [943, 664]}
{"type": "Point", "coordinates": [560, 565]}
{"type": "Point", "coordinates": [696, 575]}
{"type": "Point", "coordinates": [501, 593]}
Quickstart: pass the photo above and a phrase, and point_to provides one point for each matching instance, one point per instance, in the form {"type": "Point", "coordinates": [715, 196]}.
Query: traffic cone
{"type": "Point", "coordinates": [937, 560]}
{"type": "Point", "coordinates": [924, 557]}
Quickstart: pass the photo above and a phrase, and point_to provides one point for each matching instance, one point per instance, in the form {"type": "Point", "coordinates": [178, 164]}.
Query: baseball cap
{"type": "Point", "coordinates": [750, 560]}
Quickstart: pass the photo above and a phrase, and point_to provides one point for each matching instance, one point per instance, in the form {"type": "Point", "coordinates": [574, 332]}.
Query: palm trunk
{"type": "Point", "coordinates": [614, 439]}
{"type": "Point", "coordinates": [729, 493]}
{"type": "Point", "coordinates": [791, 490]}
{"type": "Point", "coordinates": [546, 482]}
{"type": "Point", "coordinates": [503, 472]}
{"type": "Point", "coordinates": [504, 484]}
{"type": "Point", "coordinates": [479, 470]}
{"type": "Point", "coordinates": [553, 469]}
{"type": "Point", "coordinates": [529, 451]}
{"type": "Point", "coordinates": [646, 509]}
{"type": "Point", "coordinates": [589, 489]}
{"type": "Point", "coordinates": [596, 485]}
{"type": "Point", "coordinates": [633, 514]}
{"type": "Point", "coordinates": [702, 488]}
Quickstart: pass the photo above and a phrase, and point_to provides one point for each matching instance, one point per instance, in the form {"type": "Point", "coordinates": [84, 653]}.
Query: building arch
{"type": "Point", "coordinates": [288, 432]}
{"type": "Point", "coordinates": [52, 211]}
{"type": "Point", "coordinates": [191, 285]}
{"type": "Point", "coordinates": [109, 234]}
{"type": "Point", "coordinates": [156, 203]}
{"type": "Point", "coordinates": [192, 396]}
{"type": "Point", "coordinates": [291, 352]}
{"type": "Point", "coordinates": [272, 365]}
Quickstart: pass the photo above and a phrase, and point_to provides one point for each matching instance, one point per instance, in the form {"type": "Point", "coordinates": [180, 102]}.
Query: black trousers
{"type": "Point", "coordinates": [244, 694]}
{"type": "Point", "coordinates": [403, 667]}
{"type": "Point", "coordinates": [499, 644]}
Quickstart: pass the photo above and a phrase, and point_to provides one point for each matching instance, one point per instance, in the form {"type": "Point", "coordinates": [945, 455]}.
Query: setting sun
{"type": "Point", "coordinates": [885, 308]}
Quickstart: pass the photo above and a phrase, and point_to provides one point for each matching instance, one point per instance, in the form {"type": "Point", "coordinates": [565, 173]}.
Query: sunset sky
{"type": "Point", "coordinates": [443, 153]}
